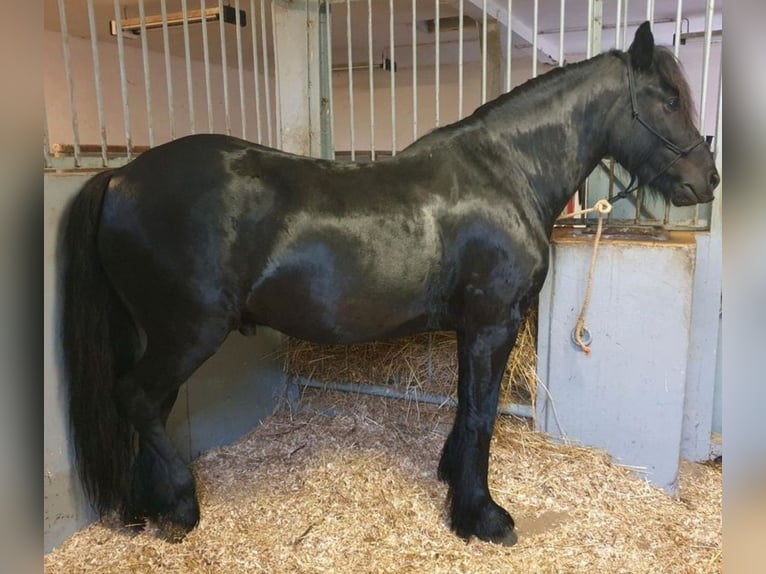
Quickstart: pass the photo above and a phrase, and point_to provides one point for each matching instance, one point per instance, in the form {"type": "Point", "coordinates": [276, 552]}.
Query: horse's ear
{"type": "Point", "coordinates": [642, 49]}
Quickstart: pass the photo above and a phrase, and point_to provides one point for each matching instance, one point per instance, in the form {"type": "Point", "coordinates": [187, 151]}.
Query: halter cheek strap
{"type": "Point", "coordinates": [676, 149]}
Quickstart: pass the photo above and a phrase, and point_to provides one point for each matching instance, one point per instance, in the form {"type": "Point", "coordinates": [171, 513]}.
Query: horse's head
{"type": "Point", "coordinates": [654, 135]}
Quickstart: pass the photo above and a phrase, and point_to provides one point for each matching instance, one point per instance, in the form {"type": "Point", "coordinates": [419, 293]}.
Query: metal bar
{"type": "Point", "coordinates": [206, 58]}
{"type": "Point", "coordinates": [715, 209]}
{"type": "Point", "coordinates": [392, 70]}
{"type": "Point", "coordinates": [562, 23]}
{"type": "Point", "coordinates": [371, 80]}
{"type": "Point", "coordinates": [460, 31]}
{"type": "Point", "coordinates": [70, 81]}
{"type": "Point", "coordinates": [513, 409]}
{"type": "Point", "coordinates": [350, 80]}
{"type": "Point", "coordinates": [508, 47]}
{"type": "Point", "coordinates": [535, 19]}
{"type": "Point", "coordinates": [329, 80]}
{"type": "Point", "coordinates": [625, 25]}
{"type": "Point", "coordinates": [46, 140]}
{"type": "Point", "coordinates": [277, 83]}
{"type": "Point", "coordinates": [168, 70]}
{"type": "Point", "coordinates": [617, 25]}
{"type": "Point", "coordinates": [309, 73]}
{"type": "Point", "coordinates": [266, 90]}
{"type": "Point", "coordinates": [677, 35]}
{"type": "Point", "coordinates": [718, 127]}
{"type": "Point", "coordinates": [709, 10]}
{"type": "Point", "coordinates": [589, 40]}
{"type": "Point", "coordinates": [147, 74]}
{"type": "Point", "coordinates": [437, 38]}
{"type": "Point", "coordinates": [325, 80]}
{"type": "Point", "coordinates": [308, 78]}
{"type": "Point", "coordinates": [224, 70]}
{"type": "Point", "coordinates": [240, 71]}
{"type": "Point", "coordinates": [484, 51]}
{"type": "Point", "coordinates": [256, 74]}
{"type": "Point", "coordinates": [650, 13]}
{"type": "Point", "coordinates": [97, 82]}
{"type": "Point", "coordinates": [414, 72]}
{"type": "Point", "coordinates": [123, 80]}
{"type": "Point", "coordinates": [187, 55]}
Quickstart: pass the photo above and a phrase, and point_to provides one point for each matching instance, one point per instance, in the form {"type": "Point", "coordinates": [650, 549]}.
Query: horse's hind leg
{"type": "Point", "coordinates": [162, 487]}
{"type": "Point", "coordinates": [138, 505]}
{"type": "Point", "coordinates": [482, 357]}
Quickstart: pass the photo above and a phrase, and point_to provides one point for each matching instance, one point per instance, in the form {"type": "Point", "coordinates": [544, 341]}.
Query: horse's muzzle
{"type": "Point", "coordinates": [690, 194]}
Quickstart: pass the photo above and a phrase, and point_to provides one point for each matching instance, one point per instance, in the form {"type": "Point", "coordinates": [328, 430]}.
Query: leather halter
{"type": "Point", "coordinates": [673, 147]}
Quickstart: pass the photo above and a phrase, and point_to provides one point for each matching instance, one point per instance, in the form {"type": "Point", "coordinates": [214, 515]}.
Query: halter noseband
{"type": "Point", "coordinates": [676, 149]}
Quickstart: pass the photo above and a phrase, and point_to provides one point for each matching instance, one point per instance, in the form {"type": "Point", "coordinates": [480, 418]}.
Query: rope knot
{"type": "Point", "coordinates": [603, 207]}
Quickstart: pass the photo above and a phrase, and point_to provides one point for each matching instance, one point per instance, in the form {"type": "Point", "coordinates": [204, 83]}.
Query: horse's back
{"type": "Point", "coordinates": [319, 249]}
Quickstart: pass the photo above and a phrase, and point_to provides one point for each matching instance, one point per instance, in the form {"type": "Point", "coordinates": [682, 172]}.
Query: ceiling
{"type": "Point", "coordinates": [548, 26]}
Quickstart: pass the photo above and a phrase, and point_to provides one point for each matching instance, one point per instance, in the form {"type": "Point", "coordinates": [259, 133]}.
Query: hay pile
{"type": "Point", "coordinates": [426, 363]}
{"type": "Point", "coordinates": [356, 491]}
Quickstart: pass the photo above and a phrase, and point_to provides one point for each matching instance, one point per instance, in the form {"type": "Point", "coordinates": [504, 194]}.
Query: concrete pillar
{"type": "Point", "coordinates": [296, 54]}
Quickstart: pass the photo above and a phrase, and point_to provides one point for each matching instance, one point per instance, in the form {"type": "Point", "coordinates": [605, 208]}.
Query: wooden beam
{"type": "Point", "coordinates": [499, 11]}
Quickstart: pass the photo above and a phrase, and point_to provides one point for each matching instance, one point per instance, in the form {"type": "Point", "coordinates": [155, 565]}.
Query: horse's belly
{"type": "Point", "coordinates": [338, 287]}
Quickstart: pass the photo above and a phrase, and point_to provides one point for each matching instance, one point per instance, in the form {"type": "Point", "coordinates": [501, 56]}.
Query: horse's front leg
{"type": "Point", "coordinates": [482, 357]}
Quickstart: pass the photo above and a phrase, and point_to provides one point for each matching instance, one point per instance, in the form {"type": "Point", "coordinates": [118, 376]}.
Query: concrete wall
{"type": "Point", "coordinates": [230, 394]}
{"type": "Point", "coordinates": [637, 395]}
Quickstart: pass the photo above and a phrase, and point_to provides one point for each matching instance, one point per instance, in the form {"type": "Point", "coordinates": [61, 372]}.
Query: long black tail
{"type": "Point", "coordinates": [96, 335]}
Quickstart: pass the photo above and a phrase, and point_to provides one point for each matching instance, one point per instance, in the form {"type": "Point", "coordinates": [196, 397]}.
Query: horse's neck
{"type": "Point", "coordinates": [556, 132]}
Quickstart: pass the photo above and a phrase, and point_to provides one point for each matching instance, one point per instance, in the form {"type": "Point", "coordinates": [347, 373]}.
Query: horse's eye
{"type": "Point", "coordinates": [672, 104]}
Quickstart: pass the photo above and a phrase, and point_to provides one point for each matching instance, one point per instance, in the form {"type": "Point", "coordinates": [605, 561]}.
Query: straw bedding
{"type": "Point", "coordinates": [347, 484]}
{"type": "Point", "coordinates": [426, 362]}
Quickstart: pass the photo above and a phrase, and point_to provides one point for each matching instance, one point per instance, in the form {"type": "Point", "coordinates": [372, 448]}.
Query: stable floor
{"type": "Point", "coordinates": [347, 483]}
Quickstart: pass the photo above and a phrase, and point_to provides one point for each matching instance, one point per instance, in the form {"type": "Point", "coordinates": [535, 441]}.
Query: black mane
{"type": "Point", "coordinates": [667, 65]}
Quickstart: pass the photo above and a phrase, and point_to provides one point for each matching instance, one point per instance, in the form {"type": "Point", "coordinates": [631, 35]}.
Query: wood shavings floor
{"type": "Point", "coordinates": [348, 484]}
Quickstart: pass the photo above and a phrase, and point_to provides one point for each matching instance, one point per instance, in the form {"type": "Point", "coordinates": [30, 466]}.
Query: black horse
{"type": "Point", "coordinates": [207, 234]}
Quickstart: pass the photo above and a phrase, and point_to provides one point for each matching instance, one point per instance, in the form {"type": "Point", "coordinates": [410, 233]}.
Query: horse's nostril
{"type": "Point", "coordinates": [715, 179]}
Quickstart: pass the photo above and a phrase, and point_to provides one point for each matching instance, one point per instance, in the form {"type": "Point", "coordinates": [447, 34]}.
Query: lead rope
{"type": "Point", "coordinates": [602, 208]}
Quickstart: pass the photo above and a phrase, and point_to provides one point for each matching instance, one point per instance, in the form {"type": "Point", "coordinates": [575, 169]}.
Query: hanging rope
{"type": "Point", "coordinates": [602, 208]}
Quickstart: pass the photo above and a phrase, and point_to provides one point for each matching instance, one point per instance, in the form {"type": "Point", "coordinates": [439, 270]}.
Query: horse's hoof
{"type": "Point", "coordinates": [496, 525]}
{"type": "Point", "coordinates": [173, 532]}
{"type": "Point", "coordinates": [183, 520]}
{"type": "Point", "coordinates": [509, 539]}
